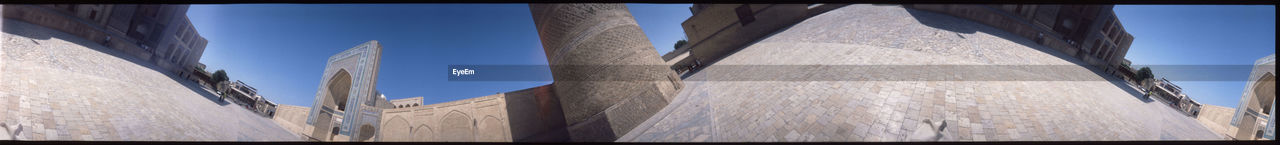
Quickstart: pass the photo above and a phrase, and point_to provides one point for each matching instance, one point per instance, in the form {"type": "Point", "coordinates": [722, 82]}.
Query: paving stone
{"type": "Point", "coordinates": [69, 88]}
{"type": "Point", "coordinates": [876, 110]}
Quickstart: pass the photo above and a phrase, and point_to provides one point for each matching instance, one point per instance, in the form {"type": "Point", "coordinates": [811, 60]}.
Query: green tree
{"type": "Point", "coordinates": [220, 76]}
{"type": "Point", "coordinates": [1143, 74]}
{"type": "Point", "coordinates": [681, 43]}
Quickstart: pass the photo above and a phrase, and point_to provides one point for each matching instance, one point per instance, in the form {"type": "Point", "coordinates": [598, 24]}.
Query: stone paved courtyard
{"type": "Point", "coordinates": [1089, 107]}
{"type": "Point", "coordinates": [62, 87]}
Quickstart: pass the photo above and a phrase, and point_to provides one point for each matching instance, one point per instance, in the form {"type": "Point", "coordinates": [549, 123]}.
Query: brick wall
{"type": "Point", "coordinates": [589, 43]}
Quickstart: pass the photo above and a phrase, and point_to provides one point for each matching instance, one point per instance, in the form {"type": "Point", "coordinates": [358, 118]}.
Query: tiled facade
{"type": "Point", "coordinates": [1254, 117]}
{"type": "Point", "coordinates": [347, 100]}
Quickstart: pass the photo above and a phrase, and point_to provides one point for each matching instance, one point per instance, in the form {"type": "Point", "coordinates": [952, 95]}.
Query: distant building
{"type": "Point", "coordinates": [158, 33]}
{"type": "Point", "coordinates": [265, 107]}
{"type": "Point", "coordinates": [1190, 106]}
{"type": "Point", "coordinates": [407, 102]}
{"type": "Point", "coordinates": [244, 95]}
{"type": "Point", "coordinates": [199, 75]}
{"type": "Point", "coordinates": [1166, 90]}
{"type": "Point", "coordinates": [1254, 116]}
{"type": "Point", "coordinates": [238, 92]}
{"type": "Point", "coordinates": [241, 86]}
{"type": "Point", "coordinates": [1172, 95]}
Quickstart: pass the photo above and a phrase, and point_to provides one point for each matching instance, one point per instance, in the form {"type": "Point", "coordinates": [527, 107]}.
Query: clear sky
{"type": "Point", "coordinates": [281, 49]}
{"type": "Point", "coordinates": [1204, 36]}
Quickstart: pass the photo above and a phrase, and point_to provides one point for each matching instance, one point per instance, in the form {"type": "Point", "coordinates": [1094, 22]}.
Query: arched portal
{"type": "Point", "coordinates": [339, 88]}
{"type": "Point", "coordinates": [339, 84]}
{"type": "Point", "coordinates": [1262, 96]}
{"type": "Point", "coordinates": [347, 85]}
{"type": "Point", "coordinates": [1264, 92]}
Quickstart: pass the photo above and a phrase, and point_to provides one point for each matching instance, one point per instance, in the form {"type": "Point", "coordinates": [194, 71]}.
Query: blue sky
{"type": "Point", "coordinates": [1201, 35]}
{"type": "Point", "coordinates": [281, 49]}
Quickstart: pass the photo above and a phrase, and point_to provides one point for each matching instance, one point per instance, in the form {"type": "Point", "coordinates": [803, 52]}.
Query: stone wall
{"type": "Point", "coordinates": [482, 119]}
{"type": "Point", "coordinates": [293, 118]}
{"type": "Point", "coordinates": [1217, 119]}
{"type": "Point", "coordinates": [529, 115]}
{"type": "Point", "coordinates": [536, 115]}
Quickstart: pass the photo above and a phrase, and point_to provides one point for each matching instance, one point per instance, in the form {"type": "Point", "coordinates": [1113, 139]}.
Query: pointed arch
{"type": "Point", "coordinates": [423, 133]}
{"type": "Point", "coordinates": [339, 87]}
{"type": "Point", "coordinates": [396, 129]}
{"type": "Point", "coordinates": [457, 126]}
{"type": "Point", "coordinates": [491, 129]}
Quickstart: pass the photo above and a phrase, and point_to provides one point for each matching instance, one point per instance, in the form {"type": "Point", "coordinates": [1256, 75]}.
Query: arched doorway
{"type": "Point", "coordinates": [339, 89]}
{"type": "Point", "coordinates": [366, 132]}
{"type": "Point", "coordinates": [333, 133]}
{"type": "Point", "coordinates": [339, 86]}
{"type": "Point", "coordinates": [1263, 94]}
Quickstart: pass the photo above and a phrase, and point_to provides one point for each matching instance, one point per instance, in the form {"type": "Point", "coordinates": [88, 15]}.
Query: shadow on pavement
{"type": "Point", "coordinates": [15, 27]}
{"type": "Point", "coordinates": [200, 90]}
{"type": "Point", "coordinates": [737, 49]}
{"type": "Point", "coordinates": [949, 23]}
